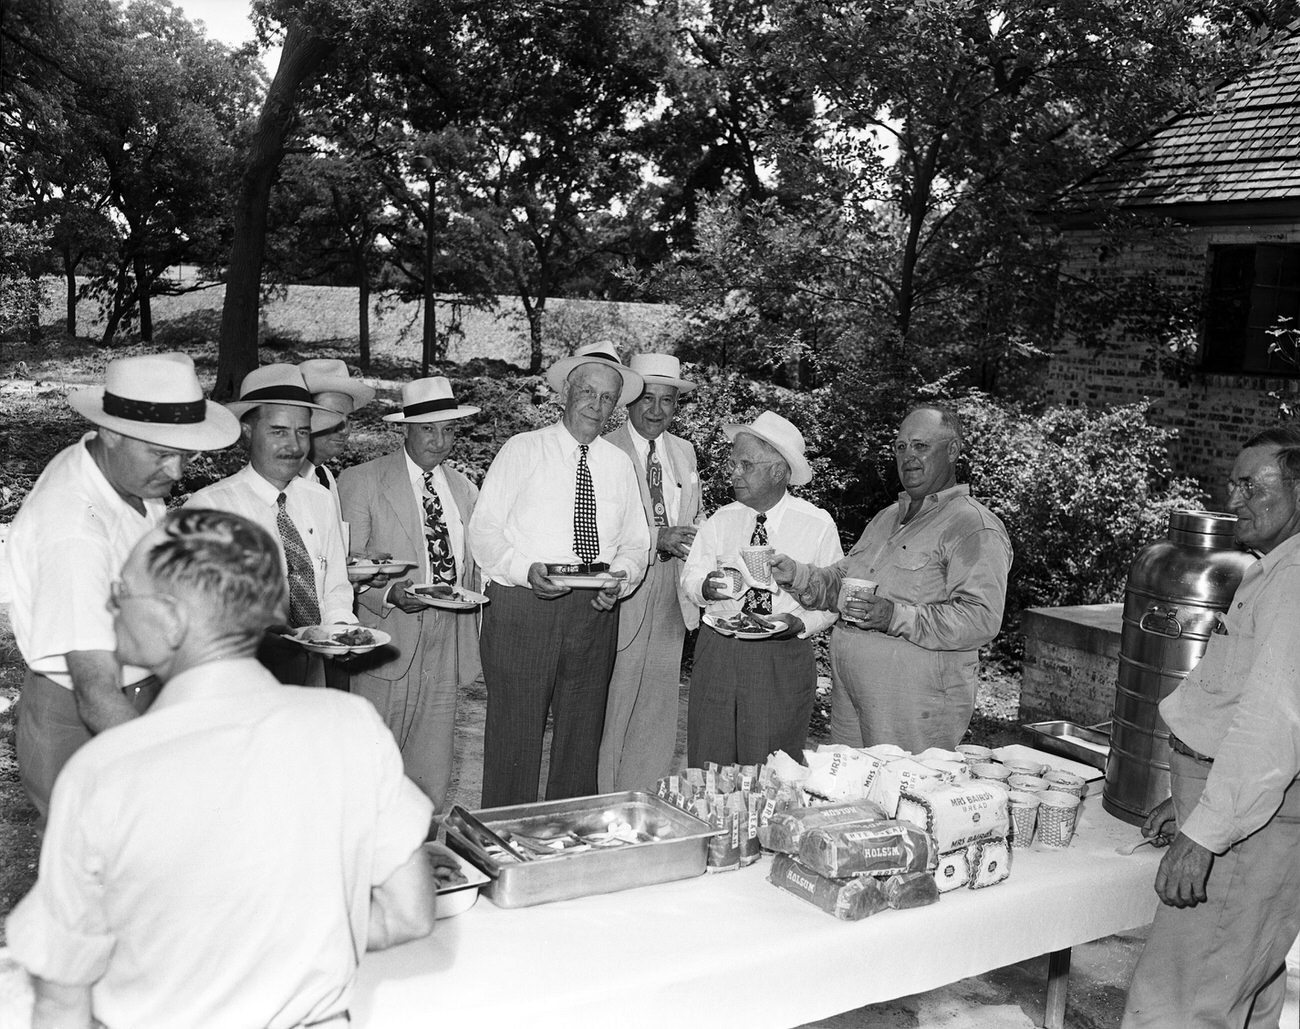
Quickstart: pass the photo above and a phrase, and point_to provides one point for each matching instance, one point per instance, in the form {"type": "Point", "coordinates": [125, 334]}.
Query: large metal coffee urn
{"type": "Point", "coordinates": [1175, 587]}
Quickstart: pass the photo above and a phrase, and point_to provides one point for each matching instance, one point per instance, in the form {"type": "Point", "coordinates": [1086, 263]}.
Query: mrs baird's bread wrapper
{"type": "Point", "coordinates": [837, 772]}
{"type": "Point", "coordinates": [904, 774]}
{"type": "Point", "coordinates": [877, 848]}
{"type": "Point", "coordinates": [957, 814]}
{"type": "Point", "coordinates": [990, 863]}
{"type": "Point", "coordinates": [953, 871]}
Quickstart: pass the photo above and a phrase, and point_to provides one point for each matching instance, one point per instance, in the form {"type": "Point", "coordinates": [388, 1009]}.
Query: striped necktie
{"type": "Point", "coordinates": [304, 607]}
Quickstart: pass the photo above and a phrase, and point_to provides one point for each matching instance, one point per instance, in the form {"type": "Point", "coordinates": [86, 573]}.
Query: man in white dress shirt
{"type": "Point", "coordinates": [641, 713]}
{"type": "Point", "coordinates": [412, 505]}
{"type": "Point", "coordinates": [277, 417]}
{"type": "Point", "coordinates": [88, 509]}
{"type": "Point", "coordinates": [557, 502]}
{"type": "Point", "coordinates": [750, 697]}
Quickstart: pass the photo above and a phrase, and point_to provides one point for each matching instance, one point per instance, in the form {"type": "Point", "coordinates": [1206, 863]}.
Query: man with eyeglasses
{"type": "Point", "coordinates": [92, 503]}
{"type": "Point", "coordinates": [226, 859]}
{"type": "Point", "coordinates": [905, 658]}
{"type": "Point", "coordinates": [752, 696]}
{"type": "Point", "coordinates": [560, 536]}
{"type": "Point", "coordinates": [1229, 884]}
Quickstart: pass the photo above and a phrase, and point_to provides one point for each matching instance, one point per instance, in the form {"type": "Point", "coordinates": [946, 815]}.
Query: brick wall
{"type": "Point", "coordinates": [1213, 414]}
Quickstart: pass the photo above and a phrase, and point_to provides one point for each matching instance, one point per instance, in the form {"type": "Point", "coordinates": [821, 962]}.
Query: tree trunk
{"type": "Point", "coordinates": [302, 56]}
{"type": "Point", "coordinates": [363, 310]}
{"type": "Point", "coordinates": [70, 277]}
{"type": "Point", "coordinates": [142, 284]}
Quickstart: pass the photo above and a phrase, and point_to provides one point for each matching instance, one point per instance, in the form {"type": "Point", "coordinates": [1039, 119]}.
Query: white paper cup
{"type": "Point", "coordinates": [1019, 766]}
{"type": "Point", "coordinates": [1065, 782]}
{"type": "Point", "coordinates": [852, 589]}
{"type": "Point", "coordinates": [1027, 783]}
{"type": "Point", "coordinates": [1057, 815]}
{"type": "Point", "coordinates": [1024, 814]}
{"type": "Point", "coordinates": [973, 753]}
{"type": "Point", "coordinates": [990, 770]}
{"type": "Point", "coordinates": [733, 583]}
{"type": "Point", "coordinates": [756, 566]}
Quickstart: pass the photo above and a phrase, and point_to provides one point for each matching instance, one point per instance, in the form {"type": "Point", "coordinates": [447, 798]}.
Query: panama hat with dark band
{"type": "Point", "coordinates": [597, 353]}
{"type": "Point", "coordinates": [429, 400]}
{"type": "Point", "coordinates": [281, 384]}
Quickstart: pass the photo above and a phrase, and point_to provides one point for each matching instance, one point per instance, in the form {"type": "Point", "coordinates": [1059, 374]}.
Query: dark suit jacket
{"type": "Point", "coordinates": [382, 513]}
{"type": "Point", "coordinates": [681, 457]}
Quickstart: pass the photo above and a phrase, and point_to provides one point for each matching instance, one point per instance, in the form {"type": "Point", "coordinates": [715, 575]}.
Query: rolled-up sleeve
{"type": "Point", "coordinates": [971, 613]}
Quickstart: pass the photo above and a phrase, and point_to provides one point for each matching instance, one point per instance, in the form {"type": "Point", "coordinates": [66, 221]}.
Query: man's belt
{"type": "Point", "coordinates": [1179, 747]}
{"type": "Point", "coordinates": [594, 568]}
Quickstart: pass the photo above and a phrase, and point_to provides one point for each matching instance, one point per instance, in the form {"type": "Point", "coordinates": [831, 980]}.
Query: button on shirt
{"type": "Point", "coordinates": [945, 570]}
{"type": "Point", "coordinates": [312, 509]}
{"type": "Point", "coordinates": [1241, 704]}
{"type": "Point", "coordinates": [210, 864]}
{"type": "Point", "coordinates": [672, 487]}
{"type": "Point", "coordinates": [524, 512]}
{"type": "Point", "coordinates": [68, 542]}
{"type": "Point", "coordinates": [794, 527]}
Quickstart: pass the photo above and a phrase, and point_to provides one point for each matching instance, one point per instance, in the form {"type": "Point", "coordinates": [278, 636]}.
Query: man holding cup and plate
{"type": "Point", "coordinates": [752, 692]}
{"type": "Point", "coordinates": [412, 504]}
{"type": "Point", "coordinates": [920, 592]}
{"type": "Point", "coordinates": [561, 536]}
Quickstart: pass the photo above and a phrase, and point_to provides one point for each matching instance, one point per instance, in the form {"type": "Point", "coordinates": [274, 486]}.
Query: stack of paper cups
{"type": "Point", "coordinates": [1065, 782]}
{"type": "Point", "coordinates": [1023, 806]}
{"type": "Point", "coordinates": [1057, 814]}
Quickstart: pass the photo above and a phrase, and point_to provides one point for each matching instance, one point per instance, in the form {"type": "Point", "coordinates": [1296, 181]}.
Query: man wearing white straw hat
{"type": "Point", "coordinates": [561, 536]}
{"type": "Point", "coordinates": [331, 387]}
{"type": "Point", "coordinates": [90, 506]}
{"type": "Point", "coordinates": [412, 505]}
{"type": "Point", "coordinates": [640, 733]}
{"type": "Point", "coordinates": [277, 417]}
{"type": "Point", "coordinates": [752, 690]}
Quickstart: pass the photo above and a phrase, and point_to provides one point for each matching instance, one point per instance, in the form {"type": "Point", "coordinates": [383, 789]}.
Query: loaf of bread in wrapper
{"type": "Point", "coordinates": [886, 847]}
{"type": "Point", "coordinates": [848, 899]}
{"type": "Point", "coordinates": [957, 814]}
{"type": "Point", "coordinates": [953, 871]}
{"type": "Point", "coordinates": [910, 890]}
{"type": "Point", "coordinates": [990, 863]}
{"type": "Point", "coordinates": [785, 829]}
{"type": "Point", "coordinates": [837, 772]}
{"type": "Point", "coordinates": [902, 775]}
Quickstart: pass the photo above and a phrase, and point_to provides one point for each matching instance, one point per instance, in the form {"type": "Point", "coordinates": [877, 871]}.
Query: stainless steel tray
{"type": "Point", "coordinates": [677, 852]}
{"type": "Point", "coordinates": [1089, 745]}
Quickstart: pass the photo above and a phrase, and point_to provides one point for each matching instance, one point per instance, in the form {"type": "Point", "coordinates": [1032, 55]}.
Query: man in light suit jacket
{"type": "Point", "coordinates": [641, 713]}
{"type": "Point", "coordinates": [411, 505]}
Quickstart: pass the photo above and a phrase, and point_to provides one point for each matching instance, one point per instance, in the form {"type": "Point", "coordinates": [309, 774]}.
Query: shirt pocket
{"type": "Point", "coordinates": [915, 576]}
{"type": "Point", "coordinates": [1218, 667]}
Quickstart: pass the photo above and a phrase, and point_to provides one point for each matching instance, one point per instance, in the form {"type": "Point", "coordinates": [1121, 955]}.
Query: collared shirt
{"type": "Point", "coordinates": [312, 510]}
{"type": "Point", "coordinates": [68, 542]}
{"type": "Point", "coordinates": [945, 570]}
{"type": "Point", "coordinates": [794, 527]}
{"type": "Point", "coordinates": [1241, 704]}
{"type": "Point", "coordinates": [210, 863]}
{"type": "Point", "coordinates": [450, 513]}
{"type": "Point", "coordinates": [672, 487]}
{"type": "Point", "coordinates": [524, 512]}
{"type": "Point", "coordinates": [314, 473]}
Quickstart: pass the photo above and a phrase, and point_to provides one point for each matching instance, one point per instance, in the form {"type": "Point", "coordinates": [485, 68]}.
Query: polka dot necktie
{"type": "Point", "coordinates": [304, 608]}
{"type": "Point", "coordinates": [442, 562]}
{"type": "Point", "coordinates": [759, 601]}
{"type": "Point", "coordinates": [586, 538]}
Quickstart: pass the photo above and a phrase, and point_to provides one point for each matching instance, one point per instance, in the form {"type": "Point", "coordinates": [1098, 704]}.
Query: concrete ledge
{"type": "Point", "coordinates": [1071, 661]}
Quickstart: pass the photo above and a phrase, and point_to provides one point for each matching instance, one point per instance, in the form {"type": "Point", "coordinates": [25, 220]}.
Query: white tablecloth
{"type": "Point", "coordinates": [730, 949]}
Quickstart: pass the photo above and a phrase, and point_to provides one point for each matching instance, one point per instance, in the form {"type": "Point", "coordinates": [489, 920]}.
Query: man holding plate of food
{"type": "Point", "coordinates": [754, 676]}
{"type": "Point", "coordinates": [411, 503]}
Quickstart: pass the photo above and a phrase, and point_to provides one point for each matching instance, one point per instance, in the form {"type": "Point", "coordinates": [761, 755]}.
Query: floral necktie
{"type": "Point", "coordinates": [759, 601]}
{"type": "Point", "coordinates": [304, 607]}
{"type": "Point", "coordinates": [442, 562]}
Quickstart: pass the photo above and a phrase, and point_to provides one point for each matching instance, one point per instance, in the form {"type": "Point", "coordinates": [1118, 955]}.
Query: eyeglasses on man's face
{"type": "Point", "coordinates": [1247, 487]}
{"type": "Point", "coordinates": [744, 467]}
{"type": "Point", "coordinates": [587, 395]}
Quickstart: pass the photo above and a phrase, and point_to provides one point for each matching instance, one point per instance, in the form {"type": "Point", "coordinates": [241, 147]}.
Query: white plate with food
{"type": "Point", "coordinates": [584, 582]}
{"type": "Point", "coordinates": [339, 639]}
{"type": "Point", "coordinates": [743, 625]}
{"type": "Point", "coordinates": [457, 889]}
{"type": "Point", "coordinates": [453, 598]}
{"type": "Point", "coordinates": [365, 569]}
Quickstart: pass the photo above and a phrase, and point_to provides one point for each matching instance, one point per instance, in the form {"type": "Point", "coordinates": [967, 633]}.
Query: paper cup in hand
{"type": "Point", "coordinates": [1065, 782]}
{"type": "Point", "coordinates": [1057, 815]}
{"type": "Point", "coordinates": [756, 567]}
{"type": "Point", "coordinates": [730, 582]}
{"type": "Point", "coordinates": [1024, 813]}
{"type": "Point", "coordinates": [852, 589]}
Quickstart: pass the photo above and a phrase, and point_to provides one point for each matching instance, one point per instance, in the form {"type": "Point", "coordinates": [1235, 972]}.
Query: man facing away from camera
{"type": "Point", "coordinates": [226, 859]}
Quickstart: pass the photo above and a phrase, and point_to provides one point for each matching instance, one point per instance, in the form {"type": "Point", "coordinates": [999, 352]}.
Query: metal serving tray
{"type": "Point", "coordinates": [1089, 745]}
{"type": "Point", "coordinates": [677, 852]}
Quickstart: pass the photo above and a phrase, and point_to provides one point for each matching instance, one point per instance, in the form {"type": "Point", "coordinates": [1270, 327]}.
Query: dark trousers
{"type": "Point", "coordinates": [748, 699]}
{"type": "Point", "coordinates": [539, 656]}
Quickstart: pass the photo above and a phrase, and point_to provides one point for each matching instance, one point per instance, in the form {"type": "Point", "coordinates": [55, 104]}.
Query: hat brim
{"type": "Point", "coordinates": [665, 380]}
{"type": "Point", "coordinates": [360, 393]}
{"type": "Point", "coordinates": [322, 418]}
{"type": "Point", "coordinates": [633, 384]}
{"type": "Point", "coordinates": [218, 430]}
{"type": "Point", "coordinates": [432, 416]}
{"type": "Point", "coordinates": [800, 470]}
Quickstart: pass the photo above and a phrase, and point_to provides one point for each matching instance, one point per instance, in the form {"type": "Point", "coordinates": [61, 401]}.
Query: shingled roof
{"type": "Point", "coordinates": [1243, 151]}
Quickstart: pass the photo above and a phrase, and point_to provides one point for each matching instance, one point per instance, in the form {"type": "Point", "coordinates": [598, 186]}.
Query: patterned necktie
{"type": "Point", "coordinates": [759, 601]}
{"type": "Point", "coordinates": [304, 608]}
{"type": "Point", "coordinates": [442, 562]}
{"type": "Point", "coordinates": [654, 476]}
{"type": "Point", "coordinates": [586, 539]}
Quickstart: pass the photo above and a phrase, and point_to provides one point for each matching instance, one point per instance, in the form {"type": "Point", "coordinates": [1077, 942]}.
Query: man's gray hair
{"type": "Point", "coordinates": [948, 417]}
{"type": "Point", "coordinates": [224, 565]}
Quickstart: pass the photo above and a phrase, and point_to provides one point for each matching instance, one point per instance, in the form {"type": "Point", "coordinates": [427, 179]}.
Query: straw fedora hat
{"type": "Point", "coordinates": [329, 375]}
{"type": "Point", "coordinates": [596, 353]}
{"type": "Point", "coordinates": [429, 400]}
{"type": "Point", "coordinates": [662, 368]}
{"type": "Point", "coordinates": [281, 384]}
{"type": "Point", "coordinates": [772, 429]}
{"type": "Point", "coordinates": [157, 398]}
